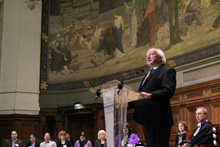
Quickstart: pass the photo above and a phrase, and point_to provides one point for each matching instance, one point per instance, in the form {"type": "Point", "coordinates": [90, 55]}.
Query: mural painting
{"type": "Point", "coordinates": [87, 39]}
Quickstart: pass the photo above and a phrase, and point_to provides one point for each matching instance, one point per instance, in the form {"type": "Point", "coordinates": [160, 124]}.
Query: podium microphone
{"type": "Point", "coordinates": [120, 85]}
{"type": "Point", "coordinates": [98, 93]}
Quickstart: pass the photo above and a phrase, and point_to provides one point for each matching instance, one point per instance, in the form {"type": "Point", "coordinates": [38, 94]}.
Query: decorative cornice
{"type": "Point", "coordinates": [31, 4]}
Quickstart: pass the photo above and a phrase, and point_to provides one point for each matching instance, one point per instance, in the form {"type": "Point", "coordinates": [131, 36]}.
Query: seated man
{"type": "Point", "coordinates": [47, 142]}
{"type": "Point", "coordinates": [14, 140]}
{"type": "Point", "coordinates": [203, 133]}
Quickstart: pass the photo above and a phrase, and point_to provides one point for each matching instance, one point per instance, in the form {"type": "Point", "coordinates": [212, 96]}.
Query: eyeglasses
{"type": "Point", "coordinates": [180, 125]}
{"type": "Point", "coordinates": [198, 113]}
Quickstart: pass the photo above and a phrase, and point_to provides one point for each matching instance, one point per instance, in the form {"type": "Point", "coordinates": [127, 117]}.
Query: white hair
{"type": "Point", "coordinates": [99, 133]}
{"type": "Point", "coordinates": [160, 53]}
{"type": "Point", "coordinates": [204, 110]}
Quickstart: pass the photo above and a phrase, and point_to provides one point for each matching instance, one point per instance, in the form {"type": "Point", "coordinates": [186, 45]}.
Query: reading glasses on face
{"type": "Point", "coordinates": [198, 113]}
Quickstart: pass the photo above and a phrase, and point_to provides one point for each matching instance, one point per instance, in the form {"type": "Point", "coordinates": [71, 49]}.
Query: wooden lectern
{"type": "Point", "coordinates": [116, 102]}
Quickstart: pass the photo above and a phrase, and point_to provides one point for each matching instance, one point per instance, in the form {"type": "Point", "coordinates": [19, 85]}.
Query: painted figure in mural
{"type": "Point", "coordinates": [117, 29]}
{"type": "Point", "coordinates": [85, 23]}
{"type": "Point", "coordinates": [73, 25]}
{"type": "Point", "coordinates": [88, 43]}
{"type": "Point", "coordinates": [162, 14]}
{"type": "Point", "coordinates": [98, 32]}
{"type": "Point", "coordinates": [151, 14]}
{"type": "Point", "coordinates": [216, 22]}
{"type": "Point", "coordinates": [133, 22]}
{"type": "Point", "coordinates": [193, 13]}
{"type": "Point", "coordinates": [143, 34]}
{"type": "Point", "coordinates": [60, 56]}
{"type": "Point", "coordinates": [80, 41]}
{"type": "Point", "coordinates": [70, 36]}
{"type": "Point", "coordinates": [163, 31]}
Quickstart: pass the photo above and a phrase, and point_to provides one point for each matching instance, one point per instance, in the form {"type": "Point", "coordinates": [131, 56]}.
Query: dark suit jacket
{"type": "Point", "coordinates": [35, 145]}
{"type": "Point", "coordinates": [98, 143]}
{"type": "Point", "coordinates": [9, 143]}
{"type": "Point", "coordinates": [161, 84]}
{"type": "Point", "coordinates": [67, 143]}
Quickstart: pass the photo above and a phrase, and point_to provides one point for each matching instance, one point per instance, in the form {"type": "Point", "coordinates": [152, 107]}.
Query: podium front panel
{"type": "Point", "coordinates": [109, 105]}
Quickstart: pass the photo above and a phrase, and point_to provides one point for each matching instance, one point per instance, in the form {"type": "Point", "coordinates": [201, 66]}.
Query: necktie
{"type": "Point", "coordinates": [149, 73]}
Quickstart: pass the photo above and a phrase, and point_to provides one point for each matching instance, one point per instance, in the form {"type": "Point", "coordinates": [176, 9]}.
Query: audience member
{"type": "Point", "coordinates": [101, 142]}
{"type": "Point", "coordinates": [182, 131]}
{"type": "Point", "coordinates": [14, 142]}
{"type": "Point", "coordinates": [203, 134]}
{"type": "Point", "coordinates": [63, 141]}
{"type": "Point", "coordinates": [82, 141]}
{"type": "Point", "coordinates": [128, 140]}
{"type": "Point", "coordinates": [32, 142]}
{"type": "Point", "coordinates": [47, 142]}
{"type": "Point", "coordinates": [68, 137]}
{"type": "Point", "coordinates": [128, 134]}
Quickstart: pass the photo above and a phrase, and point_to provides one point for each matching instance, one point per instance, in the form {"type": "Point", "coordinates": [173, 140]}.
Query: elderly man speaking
{"type": "Point", "coordinates": [153, 109]}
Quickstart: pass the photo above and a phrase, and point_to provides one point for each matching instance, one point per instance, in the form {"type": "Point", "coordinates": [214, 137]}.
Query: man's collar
{"type": "Point", "coordinates": [14, 140]}
{"type": "Point", "coordinates": [202, 123]}
{"type": "Point", "coordinates": [155, 67]}
{"type": "Point", "coordinates": [47, 142]}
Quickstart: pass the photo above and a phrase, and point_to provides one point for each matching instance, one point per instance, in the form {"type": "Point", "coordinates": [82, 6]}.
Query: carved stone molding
{"type": "Point", "coordinates": [32, 4]}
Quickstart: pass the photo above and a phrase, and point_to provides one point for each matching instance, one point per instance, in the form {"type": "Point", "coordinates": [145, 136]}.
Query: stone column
{"type": "Point", "coordinates": [20, 41]}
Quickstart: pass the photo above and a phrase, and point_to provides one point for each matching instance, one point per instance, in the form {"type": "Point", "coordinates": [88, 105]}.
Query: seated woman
{"type": "Point", "coordinates": [182, 132]}
{"type": "Point", "coordinates": [63, 141]}
{"type": "Point", "coordinates": [131, 139]}
{"type": "Point", "coordinates": [83, 142]}
{"type": "Point", "coordinates": [101, 142]}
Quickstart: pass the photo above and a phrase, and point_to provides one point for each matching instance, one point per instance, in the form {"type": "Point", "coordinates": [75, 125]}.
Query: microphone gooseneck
{"type": "Point", "coordinates": [121, 85]}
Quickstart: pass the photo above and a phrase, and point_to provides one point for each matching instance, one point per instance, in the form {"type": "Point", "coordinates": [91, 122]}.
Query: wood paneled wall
{"type": "Point", "coordinates": [91, 119]}
{"type": "Point", "coordinates": [187, 99]}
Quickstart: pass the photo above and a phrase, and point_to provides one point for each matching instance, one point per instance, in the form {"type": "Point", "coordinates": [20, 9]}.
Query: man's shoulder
{"type": "Point", "coordinates": [166, 69]}
{"type": "Point", "coordinates": [209, 124]}
{"type": "Point", "coordinates": [18, 141]}
{"type": "Point", "coordinates": [52, 142]}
